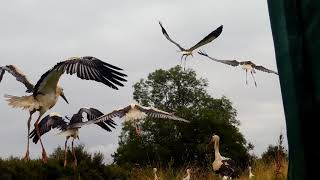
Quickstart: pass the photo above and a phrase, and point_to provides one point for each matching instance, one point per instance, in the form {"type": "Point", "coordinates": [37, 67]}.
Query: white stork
{"type": "Point", "coordinates": [46, 92]}
{"type": "Point", "coordinates": [226, 167]}
{"type": "Point", "coordinates": [246, 65]}
{"type": "Point", "coordinates": [188, 52]}
{"type": "Point", "coordinates": [250, 173]}
{"type": "Point", "coordinates": [155, 174]}
{"type": "Point", "coordinates": [71, 128]}
{"type": "Point", "coordinates": [187, 176]}
{"type": "Point", "coordinates": [135, 112]}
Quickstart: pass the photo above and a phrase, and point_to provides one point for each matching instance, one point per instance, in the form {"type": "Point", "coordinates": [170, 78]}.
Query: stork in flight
{"type": "Point", "coordinates": [71, 128]}
{"type": "Point", "coordinates": [46, 92]}
{"type": "Point", "coordinates": [224, 166]}
{"type": "Point", "coordinates": [246, 65]}
{"type": "Point", "coordinates": [135, 112]}
{"type": "Point", "coordinates": [188, 52]}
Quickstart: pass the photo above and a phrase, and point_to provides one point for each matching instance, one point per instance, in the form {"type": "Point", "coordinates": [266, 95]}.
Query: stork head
{"type": "Point", "coordinates": [214, 138]}
{"type": "Point", "coordinates": [61, 93]}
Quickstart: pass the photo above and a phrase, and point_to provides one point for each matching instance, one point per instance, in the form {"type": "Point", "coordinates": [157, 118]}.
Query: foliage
{"type": "Point", "coordinates": [93, 168]}
{"type": "Point", "coordinates": [274, 152]}
{"type": "Point", "coordinates": [172, 143]}
{"type": "Point", "coordinates": [90, 166]}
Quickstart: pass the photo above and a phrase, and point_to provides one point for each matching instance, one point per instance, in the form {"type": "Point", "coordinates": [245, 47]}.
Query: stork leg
{"type": "Point", "coordinates": [138, 130]}
{"type": "Point", "coordinates": [74, 154]}
{"type": "Point", "coordinates": [181, 59]}
{"type": "Point", "coordinates": [255, 83]}
{"type": "Point", "coordinates": [26, 157]}
{"type": "Point", "coordinates": [44, 154]}
{"type": "Point", "coordinates": [185, 60]}
{"type": "Point", "coordinates": [246, 77]}
{"type": "Point", "coordinates": [65, 152]}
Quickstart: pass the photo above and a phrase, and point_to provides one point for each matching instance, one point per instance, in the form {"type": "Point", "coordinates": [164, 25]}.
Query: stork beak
{"type": "Point", "coordinates": [62, 95]}
{"type": "Point", "coordinates": [211, 140]}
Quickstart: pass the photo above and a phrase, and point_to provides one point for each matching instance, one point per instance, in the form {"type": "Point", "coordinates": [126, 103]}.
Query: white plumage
{"type": "Point", "coordinates": [250, 173]}
{"type": "Point", "coordinates": [155, 174]}
{"type": "Point", "coordinates": [223, 165]}
{"type": "Point", "coordinates": [187, 175]}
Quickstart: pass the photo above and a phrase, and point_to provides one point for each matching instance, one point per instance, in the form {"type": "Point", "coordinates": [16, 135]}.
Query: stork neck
{"type": "Point", "coordinates": [217, 154]}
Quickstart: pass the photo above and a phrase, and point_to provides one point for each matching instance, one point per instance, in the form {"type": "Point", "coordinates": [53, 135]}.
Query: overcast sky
{"type": "Point", "coordinates": [35, 35]}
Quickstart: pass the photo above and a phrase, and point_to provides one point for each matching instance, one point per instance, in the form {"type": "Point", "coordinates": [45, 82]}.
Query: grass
{"type": "Point", "coordinates": [261, 171]}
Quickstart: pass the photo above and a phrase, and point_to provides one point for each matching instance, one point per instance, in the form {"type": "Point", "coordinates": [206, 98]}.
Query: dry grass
{"type": "Point", "coordinates": [261, 171]}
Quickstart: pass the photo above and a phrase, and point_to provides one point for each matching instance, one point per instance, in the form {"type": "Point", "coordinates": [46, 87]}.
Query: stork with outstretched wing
{"type": "Point", "coordinates": [248, 66]}
{"type": "Point", "coordinates": [135, 112]}
{"type": "Point", "coordinates": [188, 52]}
{"type": "Point", "coordinates": [71, 128]}
{"type": "Point", "coordinates": [46, 92]}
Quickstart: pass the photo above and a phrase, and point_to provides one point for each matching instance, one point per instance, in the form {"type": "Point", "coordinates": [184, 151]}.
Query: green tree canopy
{"type": "Point", "coordinates": [175, 143]}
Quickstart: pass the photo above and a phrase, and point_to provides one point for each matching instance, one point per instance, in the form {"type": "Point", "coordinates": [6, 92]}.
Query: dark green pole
{"type": "Point", "coordinates": [296, 34]}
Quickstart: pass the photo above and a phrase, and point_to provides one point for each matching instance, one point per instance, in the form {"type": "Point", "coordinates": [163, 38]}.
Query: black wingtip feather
{"type": "Point", "coordinates": [162, 28]}
{"type": "Point", "coordinates": [218, 31]}
{"type": "Point", "coordinates": [33, 135]}
{"type": "Point", "coordinates": [1, 73]}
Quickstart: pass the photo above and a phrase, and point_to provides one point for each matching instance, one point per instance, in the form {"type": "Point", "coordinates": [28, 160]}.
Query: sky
{"type": "Point", "coordinates": [36, 34]}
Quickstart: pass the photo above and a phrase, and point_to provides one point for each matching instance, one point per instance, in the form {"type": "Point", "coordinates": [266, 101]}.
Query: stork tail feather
{"type": "Point", "coordinates": [24, 102]}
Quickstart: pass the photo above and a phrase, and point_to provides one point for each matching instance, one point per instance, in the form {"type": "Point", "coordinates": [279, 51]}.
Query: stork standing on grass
{"type": "Point", "coordinates": [155, 174]}
{"type": "Point", "coordinates": [135, 112]}
{"type": "Point", "coordinates": [248, 66]}
{"type": "Point", "coordinates": [188, 52]}
{"type": "Point", "coordinates": [71, 128]}
{"type": "Point", "coordinates": [46, 92]}
{"type": "Point", "coordinates": [250, 173]}
{"type": "Point", "coordinates": [226, 167]}
{"type": "Point", "coordinates": [187, 176]}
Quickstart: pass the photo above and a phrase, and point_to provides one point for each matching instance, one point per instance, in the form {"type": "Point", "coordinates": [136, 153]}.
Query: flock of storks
{"type": "Point", "coordinates": [45, 93]}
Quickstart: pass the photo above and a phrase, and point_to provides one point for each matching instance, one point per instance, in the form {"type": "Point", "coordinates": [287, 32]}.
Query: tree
{"type": "Point", "coordinates": [163, 141]}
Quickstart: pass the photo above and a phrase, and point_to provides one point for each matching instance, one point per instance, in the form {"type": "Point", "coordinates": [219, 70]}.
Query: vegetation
{"type": "Point", "coordinates": [170, 146]}
{"type": "Point", "coordinates": [90, 166]}
{"type": "Point", "coordinates": [171, 143]}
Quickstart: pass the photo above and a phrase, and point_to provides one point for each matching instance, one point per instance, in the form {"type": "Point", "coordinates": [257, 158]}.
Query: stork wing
{"type": "Point", "coordinates": [92, 114]}
{"type": "Point", "coordinates": [107, 117]}
{"type": "Point", "coordinates": [18, 75]}
{"type": "Point", "coordinates": [164, 32]}
{"type": "Point", "coordinates": [87, 67]}
{"type": "Point", "coordinates": [228, 62]}
{"type": "Point", "coordinates": [261, 68]}
{"type": "Point", "coordinates": [229, 168]}
{"type": "Point", "coordinates": [156, 113]}
{"type": "Point", "coordinates": [46, 124]}
{"type": "Point", "coordinates": [210, 37]}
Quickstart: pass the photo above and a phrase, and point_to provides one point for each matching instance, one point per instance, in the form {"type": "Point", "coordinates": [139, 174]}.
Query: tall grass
{"type": "Point", "coordinates": [261, 171]}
